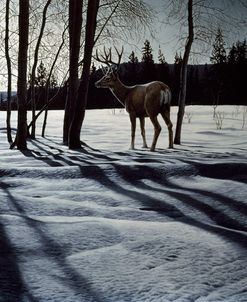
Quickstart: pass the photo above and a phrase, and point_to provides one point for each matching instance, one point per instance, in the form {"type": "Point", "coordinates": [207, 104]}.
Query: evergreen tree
{"type": "Point", "coordinates": [241, 52]}
{"type": "Point", "coordinates": [147, 53]}
{"type": "Point", "coordinates": [93, 69]}
{"type": "Point", "coordinates": [132, 58]}
{"type": "Point", "coordinates": [161, 57]}
{"type": "Point", "coordinates": [219, 70]}
{"type": "Point", "coordinates": [41, 78]}
{"type": "Point", "coordinates": [218, 52]}
{"type": "Point", "coordinates": [238, 53]}
{"type": "Point", "coordinates": [53, 81]}
{"type": "Point", "coordinates": [232, 56]}
{"type": "Point", "coordinates": [178, 58]}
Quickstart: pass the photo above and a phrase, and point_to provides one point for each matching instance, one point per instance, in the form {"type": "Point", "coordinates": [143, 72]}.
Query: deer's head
{"type": "Point", "coordinates": [108, 80]}
{"type": "Point", "coordinates": [111, 76]}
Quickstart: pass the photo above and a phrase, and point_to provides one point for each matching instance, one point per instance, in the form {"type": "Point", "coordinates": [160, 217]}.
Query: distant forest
{"type": "Point", "coordinates": [221, 83]}
{"type": "Point", "coordinates": [209, 84]}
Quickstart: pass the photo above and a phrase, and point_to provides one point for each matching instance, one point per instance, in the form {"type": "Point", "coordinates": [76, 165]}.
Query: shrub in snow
{"type": "Point", "coordinates": [188, 116]}
{"type": "Point", "coordinates": [244, 115]}
{"type": "Point", "coordinates": [218, 118]}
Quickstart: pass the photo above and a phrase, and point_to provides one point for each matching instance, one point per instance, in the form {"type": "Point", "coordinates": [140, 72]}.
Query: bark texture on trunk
{"type": "Point", "coordinates": [183, 75]}
{"type": "Point", "coordinates": [81, 100]}
{"type": "Point", "coordinates": [21, 136]}
{"type": "Point", "coordinates": [75, 24]}
{"type": "Point", "coordinates": [8, 61]}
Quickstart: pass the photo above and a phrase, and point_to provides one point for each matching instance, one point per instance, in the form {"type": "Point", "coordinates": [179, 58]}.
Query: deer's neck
{"type": "Point", "coordinates": [120, 91]}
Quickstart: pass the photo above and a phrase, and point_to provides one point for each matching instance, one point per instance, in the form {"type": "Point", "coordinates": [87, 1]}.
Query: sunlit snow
{"type": "Point", "coordinates": [111, 224]}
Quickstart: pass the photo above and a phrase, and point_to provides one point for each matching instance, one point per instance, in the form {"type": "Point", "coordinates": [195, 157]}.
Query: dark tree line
{"type": "Point", "coordinates": [219, 83]}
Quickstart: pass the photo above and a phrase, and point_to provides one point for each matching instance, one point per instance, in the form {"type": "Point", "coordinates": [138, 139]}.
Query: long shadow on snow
{"type": "Point", "coordinates": [218, 216]}
{"type": "Point", "coordinates": [75, 281]}
{"type": "Point", "coordinates": [89, 155]}
{"type": "Point", "coordinates": [162, 207]}
{"type": "Point", "coordinates": [231, 171]}
{"type": "Point", "coordinates": [133, 176]}
{"type": "Point", "coordinates": [12, 286]}
{"type": "Point", "coordinates": [70, 159]}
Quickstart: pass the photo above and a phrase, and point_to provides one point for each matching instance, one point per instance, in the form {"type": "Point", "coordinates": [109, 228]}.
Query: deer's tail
{"type": "Point", "coordinates": [165, 98]}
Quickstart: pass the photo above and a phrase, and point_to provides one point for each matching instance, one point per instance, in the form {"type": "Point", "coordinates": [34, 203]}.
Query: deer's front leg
{"type": "Point", "coordinates": [133, 129]}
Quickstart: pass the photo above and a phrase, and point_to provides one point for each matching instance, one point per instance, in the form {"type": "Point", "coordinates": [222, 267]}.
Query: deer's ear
{"type": "Point", "coordinates": [114, 74]}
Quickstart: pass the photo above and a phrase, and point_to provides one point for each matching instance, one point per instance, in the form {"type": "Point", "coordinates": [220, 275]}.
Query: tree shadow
{"type": "Point", "coordinates": [133, 176]}
{"type": "Point", "coordinates": [224, 226]}
{"type": "Point", "coordinates": [71, 278]}
{"type": "Point", "coordinates": [12, 285]}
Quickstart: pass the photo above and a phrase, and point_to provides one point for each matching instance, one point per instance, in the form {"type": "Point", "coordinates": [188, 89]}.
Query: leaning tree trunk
{"type": "Point", "coordinates": [47, 86]}
{"type": "Point", "coordinates": [81, 100]}
{"type": "Point", "coordinates": [21, 136]}
{"type": "Point", "coordinates": [8, 61]}
{"type": "Point", "coordinates": [75, 24]}
{"type": "Point", "coordinates": [183, 75]}
{"type": "Point", "coordinates": [35, 62]}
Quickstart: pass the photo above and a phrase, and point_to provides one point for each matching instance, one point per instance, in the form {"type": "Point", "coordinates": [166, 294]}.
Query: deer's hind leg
{"type": "Point", "coordinates": [152, 106]}
{"type": "Point", "coordinates": [157, 130]}
{"type": "Point", "coordinates": [166, 116]}
{"type": "Point", "coordinates": [142, 125]}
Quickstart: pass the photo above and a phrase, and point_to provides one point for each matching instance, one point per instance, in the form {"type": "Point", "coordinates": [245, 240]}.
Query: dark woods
{"type": "Point", "coordinates": [207, 84]}
{"type": "Point", "coordinates": [220, 83]}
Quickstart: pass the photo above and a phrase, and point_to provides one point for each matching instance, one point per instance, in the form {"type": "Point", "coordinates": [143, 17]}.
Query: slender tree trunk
{"type": "Point", "coordinates": [81, 100]}
{"type": "Point", "coordinates": [9, 89]}
{"type": "Point", "coordinates": [48, 82]}
{"type": "Point", "coordinates": [46, 111]}
{"type": "Point", "coordinates": [183, 75]}
{"type": "Point", "coordinates": [35, 62]}
{"type": "Point", "coordinates": [75, 24]}
{"type": "Point", "coordinates": [51, 100]}
{"type": "Point", "coordinates": [21, 136]}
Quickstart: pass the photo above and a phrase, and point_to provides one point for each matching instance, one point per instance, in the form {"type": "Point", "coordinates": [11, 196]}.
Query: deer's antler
{"type": "Point", "coordinates": [106, 57]}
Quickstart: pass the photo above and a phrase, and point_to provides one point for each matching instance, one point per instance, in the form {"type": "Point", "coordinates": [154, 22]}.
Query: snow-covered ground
{"type": "Point", "coordinates": [109, 224]}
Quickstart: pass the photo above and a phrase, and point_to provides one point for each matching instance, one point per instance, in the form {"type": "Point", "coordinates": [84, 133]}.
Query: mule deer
{"type": "Point", "coordinates": [140, 101]}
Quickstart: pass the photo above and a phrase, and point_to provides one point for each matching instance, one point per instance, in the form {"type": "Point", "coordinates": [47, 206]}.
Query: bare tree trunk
{"type": "Point", "coordinates": [9, 89]}
{"type": "Point", "coordinates": [50, 101]}
{"type": "Point", "coordinates": [35, 62]}
{"type": "Point", "coordinates": [47, 88]}
{"type": "Point", "coordinates": [75, 24]}
{"type": "Point", "coordinates": [81, 100]}
{"type": "Point", "coordinates": [21, 136]}
{"type": "Point", "coordinates": [183, 75]}
{"type": "Point", "coordinates": [48, 82]}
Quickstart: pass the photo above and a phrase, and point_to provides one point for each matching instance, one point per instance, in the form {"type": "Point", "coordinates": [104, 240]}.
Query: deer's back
{"type": "Point", "coordinates": [145, 96]}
